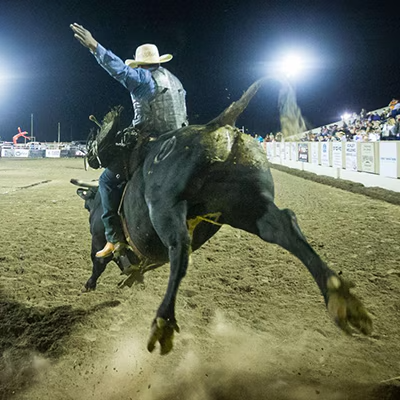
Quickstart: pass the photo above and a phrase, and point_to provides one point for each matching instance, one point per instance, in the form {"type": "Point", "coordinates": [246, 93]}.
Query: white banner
{"type": "Point", "coordinates": [53, 153]}
{"type": "Point", "coordinates": [278, 149]}
{"type": "Point", "coordinates": [21, 152]}
{"type": "Point", "coordinates": [325, 154]}
{"type": "Point", "coordinates": [368, 157]}
{"type": "Point", "coordinates": [293, 150]}
{"type": "Point", "coordinates": [337, 158]}
{"type": "Point", "coordinates": [287, 151]}
{"type": "Point", "coordinates": [314, 153]}
{"type": "Point", "coordinates": [388, 159]}
{"type": "Point", "coordinates": [7, 152]}
{"type": "Point", "coordinates": [351, 156]}
{"type": "Point", "coordinates": [270, 150]}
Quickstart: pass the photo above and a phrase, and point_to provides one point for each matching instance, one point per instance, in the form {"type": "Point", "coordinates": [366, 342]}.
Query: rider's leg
{"type": "Point", "coordinates": [111, 189]}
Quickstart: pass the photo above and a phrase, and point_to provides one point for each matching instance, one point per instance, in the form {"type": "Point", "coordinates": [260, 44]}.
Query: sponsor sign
{"type": "Point", "coordinates": [270, 150]}
{"type": "Point", "coordinates": [325, 152]}
{"type": "Point", "coordinates": [53, 153]}
{"type": "Point", "coordinates": [278, 149]}
{"type": "Point", "coordinates": [293, 150]}
{"type": "Point", "coordinates": [302, 152]}
{"type": "Point", "coordinates": [7, 152]}
{"type": "Point", "coordinates": [287, 151]}
{"type": "Point", "coordinates": [21, 152]}
{"type": "Point", "coordinates": [351, 156]}
{"type": "Point", "coordinates": [314, 153]}
{"type": "Point", "coordinates": [337, 158]}
{"type": "Point", "coordinates": [388, 159]}
{"type": "Point", "coordinates": [368, 157]}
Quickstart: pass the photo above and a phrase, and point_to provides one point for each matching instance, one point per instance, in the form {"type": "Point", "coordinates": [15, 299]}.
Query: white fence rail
{"type": "Point", "coordinates": [369, 163]}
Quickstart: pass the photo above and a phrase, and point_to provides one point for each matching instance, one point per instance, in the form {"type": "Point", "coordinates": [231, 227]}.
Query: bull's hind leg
{"type": "Point", "coordinates": [280, 227]}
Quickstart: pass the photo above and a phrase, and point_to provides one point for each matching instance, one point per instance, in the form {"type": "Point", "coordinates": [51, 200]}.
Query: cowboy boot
{"type": "Point", "coordinates": [107, 251]}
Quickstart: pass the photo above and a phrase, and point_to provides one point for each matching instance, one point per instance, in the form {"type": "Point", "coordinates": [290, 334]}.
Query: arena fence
{"type": "Point", "coordinates": [369, 163]}
{"type": "Point", "coordinates": [42, 151]}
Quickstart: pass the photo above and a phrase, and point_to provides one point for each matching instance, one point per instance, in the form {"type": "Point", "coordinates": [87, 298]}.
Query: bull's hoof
{"type": "Point", "coordinates": [162, 331]}
{"type": "Point", "coordinates": [89, 287]}
{"type": "Point", "coordinates": [345, 308]}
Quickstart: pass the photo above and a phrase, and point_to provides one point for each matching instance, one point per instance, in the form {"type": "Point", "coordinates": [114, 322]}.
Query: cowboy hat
{"type": "Point", "coordinates": [148, 54]}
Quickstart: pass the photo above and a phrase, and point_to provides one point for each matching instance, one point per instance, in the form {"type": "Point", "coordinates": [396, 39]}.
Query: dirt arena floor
{"type": "Point", "coordinates": [253, 323]}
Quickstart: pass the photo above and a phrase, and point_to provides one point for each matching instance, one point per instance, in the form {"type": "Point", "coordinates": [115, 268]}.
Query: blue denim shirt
{"type": "Point", "coordinates": [138, 81]}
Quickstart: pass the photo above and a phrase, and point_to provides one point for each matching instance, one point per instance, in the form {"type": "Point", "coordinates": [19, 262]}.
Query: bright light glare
{"type": "Point", "coordinates": [5, 78]}
{"type": "Point", "coordinates": [345, 116]}
{"type": "Point", "coordinates": [292, 65]}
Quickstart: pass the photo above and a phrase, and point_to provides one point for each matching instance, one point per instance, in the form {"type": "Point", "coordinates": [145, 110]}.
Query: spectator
{"type": "Point", "coordinates": [396, 110]}
{"type": "Point", "coordinates": [386, 132]}
{"type": "Point", "coordinates": [393, 103]}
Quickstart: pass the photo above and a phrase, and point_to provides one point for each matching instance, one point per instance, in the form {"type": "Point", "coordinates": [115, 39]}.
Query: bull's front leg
{"type": "Point", "coordinates": [98, 264]}
{"type": "Point", "coordinates": [172, 229]}
{"type": "Point", "coordinates": [98, 267]}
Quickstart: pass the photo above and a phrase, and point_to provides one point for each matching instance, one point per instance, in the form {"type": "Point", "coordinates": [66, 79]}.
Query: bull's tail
{"type": "Point", "coordinates": [231, 114]}
{"type": "Point", "coordinates": [292, 122]}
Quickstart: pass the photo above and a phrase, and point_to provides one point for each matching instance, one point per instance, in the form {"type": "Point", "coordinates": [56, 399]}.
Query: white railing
{"type": "Point", "coordinates": [369, 163]}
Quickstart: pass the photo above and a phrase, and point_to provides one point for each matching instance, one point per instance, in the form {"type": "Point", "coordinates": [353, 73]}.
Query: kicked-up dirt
{"type": "Point", "coordinates": [253, 323]}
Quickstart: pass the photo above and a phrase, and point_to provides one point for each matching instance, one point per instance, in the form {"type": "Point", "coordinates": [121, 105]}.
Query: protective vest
{"type": "Point", "coordinates": [166, 110]}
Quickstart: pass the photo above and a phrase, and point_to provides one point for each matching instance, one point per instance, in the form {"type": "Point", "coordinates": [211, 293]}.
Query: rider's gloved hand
{"type": "Point", "coordinates": [84, 37]}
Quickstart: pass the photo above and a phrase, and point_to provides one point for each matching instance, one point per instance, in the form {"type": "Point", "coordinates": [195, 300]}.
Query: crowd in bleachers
{"type": "Point", "coordinates": [365, 127]}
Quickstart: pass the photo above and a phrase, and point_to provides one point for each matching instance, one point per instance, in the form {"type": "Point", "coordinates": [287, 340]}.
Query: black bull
{"type": "Point", "coordinates": [189, 182]}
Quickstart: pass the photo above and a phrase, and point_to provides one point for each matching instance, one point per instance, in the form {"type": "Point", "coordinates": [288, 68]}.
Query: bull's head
{"type": "Point", "coordinates": [87, 192]}
{"type": "Point", "coordinates": [99, 140]}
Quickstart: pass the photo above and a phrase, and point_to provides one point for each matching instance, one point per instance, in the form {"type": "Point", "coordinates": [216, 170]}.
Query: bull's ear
{"type": "Point", "coordinates": [82, 193]}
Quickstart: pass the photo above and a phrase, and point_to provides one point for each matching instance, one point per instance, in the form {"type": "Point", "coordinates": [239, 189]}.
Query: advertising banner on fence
{"type": "Point", "coordinates": [325, 154]}
{"type": "Point", "coordinates": [278, 149]}
{"type": "Point", "coordinates": [388, 159]}
{"type": "Point", "coordinates": [368, 157]}
{"type": "Point", "coordinates": [7, 152]}
{"type": "Point", "coordinates": [53, 153]}
{"type": "Point", "coordinates": [293, 150]}
{"type": "Point", "coordinates": [337, 158]}
{"type": "Point", "coordinates": [351, 156]}
{"type": "Point", "coordinates": [287, 151]}
{"type": "Point", "coordinates": [303, 152]}
{"type": "Point", "coordinates": [314, 153]}
{"type": "Point", "coordinates": [270, 150]}
{"type": "Point", "coordinates": [21, 152]}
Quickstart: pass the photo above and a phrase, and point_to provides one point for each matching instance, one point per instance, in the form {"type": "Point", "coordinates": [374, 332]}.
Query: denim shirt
{"type": "Point", "coordinates": [138, 81]}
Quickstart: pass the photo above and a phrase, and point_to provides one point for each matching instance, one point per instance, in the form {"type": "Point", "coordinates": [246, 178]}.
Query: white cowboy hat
{"type": "Point", "coordinates": [148, 54]}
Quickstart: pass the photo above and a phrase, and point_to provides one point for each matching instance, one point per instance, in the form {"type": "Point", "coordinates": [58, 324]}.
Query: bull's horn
{"type": "Point", "coordinates": [92, 184]}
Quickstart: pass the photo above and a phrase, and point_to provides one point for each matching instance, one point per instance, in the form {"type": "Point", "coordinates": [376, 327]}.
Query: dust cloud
{"type": "Point", "coordinates": [291, 119]}
{"type": "Point", "coordinates": [243, 364]}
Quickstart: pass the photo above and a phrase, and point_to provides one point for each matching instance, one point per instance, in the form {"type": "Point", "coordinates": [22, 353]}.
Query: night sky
{"type": "Point", "coordinates": [219, 48]}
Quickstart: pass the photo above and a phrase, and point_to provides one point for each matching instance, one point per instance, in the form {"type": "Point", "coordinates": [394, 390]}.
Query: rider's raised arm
{"type": "Point", "coordinates": [131, 78]}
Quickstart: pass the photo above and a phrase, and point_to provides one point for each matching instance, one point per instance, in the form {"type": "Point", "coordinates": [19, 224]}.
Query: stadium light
{"type": "Point", "coordinates": [345, 116]}
{"type": "Point", "coordinates": [291, 65]}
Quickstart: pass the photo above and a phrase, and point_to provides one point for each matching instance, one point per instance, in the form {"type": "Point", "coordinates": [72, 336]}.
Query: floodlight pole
{"type": "Point", "coordinates": [31, 126]}
{"type": "Point", "coordinates": [59, 131]}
